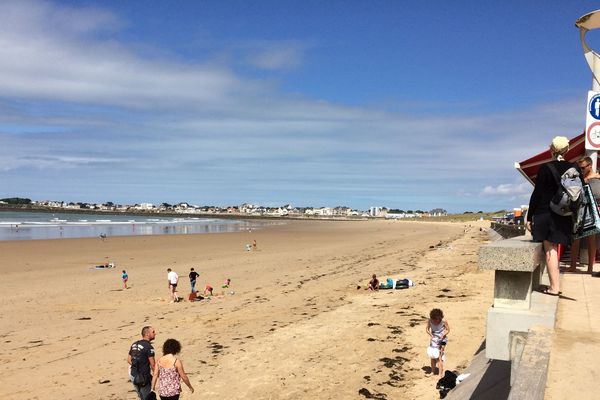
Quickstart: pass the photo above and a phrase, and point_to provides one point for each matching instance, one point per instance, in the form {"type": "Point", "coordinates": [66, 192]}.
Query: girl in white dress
{"type": "Point", "coordinates": [437, 329]}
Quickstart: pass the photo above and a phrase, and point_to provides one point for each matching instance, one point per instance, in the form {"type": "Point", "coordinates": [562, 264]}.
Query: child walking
{"type": "Point", "coordinates": [437, 329]}
{"type": "Point", "coordinates": [125, 278]}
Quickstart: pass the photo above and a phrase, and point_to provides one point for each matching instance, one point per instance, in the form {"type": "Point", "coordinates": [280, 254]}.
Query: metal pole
{"type": "Point", "coordinates": [586, 23]}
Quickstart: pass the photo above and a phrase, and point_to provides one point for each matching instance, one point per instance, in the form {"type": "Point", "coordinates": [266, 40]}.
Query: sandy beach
{"type": "Point", "coordinates": [295, 326]}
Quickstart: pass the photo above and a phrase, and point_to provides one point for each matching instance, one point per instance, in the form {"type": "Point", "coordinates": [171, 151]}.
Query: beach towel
{"type": "Point", "coordinates": [389, 284]}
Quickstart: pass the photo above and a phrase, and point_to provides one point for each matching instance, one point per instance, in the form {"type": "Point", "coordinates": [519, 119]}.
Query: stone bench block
{"type": "Point", "coordinates": [517, 264]}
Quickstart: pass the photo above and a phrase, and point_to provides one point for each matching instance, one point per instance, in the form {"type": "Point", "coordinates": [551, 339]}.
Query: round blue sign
{"type": "Point", "coordinates": [594, 107]}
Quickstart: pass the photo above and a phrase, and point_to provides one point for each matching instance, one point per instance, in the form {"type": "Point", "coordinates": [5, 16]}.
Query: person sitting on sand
{"type": "Point", "coordinates": [208, 290]}
{"type": "Point", "coordinates": [437, 329]}
{"type": "Point", "coordinates": [125, 278]}
{"type": "Point", "coordinates": [374, 283]}
{"type": "Point", "coordinates": [226, 283]}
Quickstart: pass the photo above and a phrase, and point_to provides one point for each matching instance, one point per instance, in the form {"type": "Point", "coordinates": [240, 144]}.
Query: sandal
{"type": "Point", "coordinates": [549, 293]}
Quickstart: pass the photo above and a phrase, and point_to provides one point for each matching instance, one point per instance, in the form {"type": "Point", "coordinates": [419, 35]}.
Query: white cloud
{"type": "Point", "coordinates": [276, 57]}
{"type": "Point", "coordinates": [508, 189]}
{"type": "Point", "coordinates": [75, 101]}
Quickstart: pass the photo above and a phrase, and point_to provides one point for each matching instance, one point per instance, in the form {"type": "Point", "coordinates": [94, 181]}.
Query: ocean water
{"type": "Point", "coordinates": [38, 225]}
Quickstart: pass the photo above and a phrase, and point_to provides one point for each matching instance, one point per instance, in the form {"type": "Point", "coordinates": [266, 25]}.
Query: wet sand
{"type": "Point", "coordinates": [296, 326]}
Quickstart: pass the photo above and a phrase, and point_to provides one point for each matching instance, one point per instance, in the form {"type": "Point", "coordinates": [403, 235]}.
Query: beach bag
{"type": "Point", "coordinates": [403, 283]}
{"type": "Point", "coordinates": [140, 372]}
{"type": "Point", "coordinates": [446, 383]}
{"type": "Point", "coordinates": [568, 196]}
{"type": "Point", "coordinates": [587, 222]}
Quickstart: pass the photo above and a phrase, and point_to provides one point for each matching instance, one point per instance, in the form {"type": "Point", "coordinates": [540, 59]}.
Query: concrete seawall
{"type": "Point", "coordinates": [513, 361]}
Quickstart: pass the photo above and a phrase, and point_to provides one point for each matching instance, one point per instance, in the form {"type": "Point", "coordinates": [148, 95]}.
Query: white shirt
{"type": "Point", "coordinates": [173, 277]}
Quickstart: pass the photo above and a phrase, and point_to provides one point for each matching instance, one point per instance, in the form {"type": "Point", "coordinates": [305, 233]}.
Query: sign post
{"type": "Point", "coordinates": [592, 121]}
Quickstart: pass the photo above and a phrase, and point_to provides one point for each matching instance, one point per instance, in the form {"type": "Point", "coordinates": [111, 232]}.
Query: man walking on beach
{"type": "Point", "coordinates": [173, 278]}
{"type": "Point", "coordinates": [141, 362]}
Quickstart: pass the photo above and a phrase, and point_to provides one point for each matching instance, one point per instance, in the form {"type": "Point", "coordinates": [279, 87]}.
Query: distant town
{"type": "Point", "coordinates": [244, 210]}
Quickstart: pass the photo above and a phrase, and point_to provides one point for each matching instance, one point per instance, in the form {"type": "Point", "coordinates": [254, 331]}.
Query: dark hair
{"type": "Point", "coordinates": [171, 346]}
{"type": "Point", "coordinates": [436, 313]}
{"type": "Point", "coordinates": [191, 269]}
{"type": "Point", "coordinates": [168, 269]}
{"type": "Point", "coordinates": [145, 330]}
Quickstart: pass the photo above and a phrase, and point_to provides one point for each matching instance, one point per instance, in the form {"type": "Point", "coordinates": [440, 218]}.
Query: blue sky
{"type": "Point", "coordinates": [411, 105]}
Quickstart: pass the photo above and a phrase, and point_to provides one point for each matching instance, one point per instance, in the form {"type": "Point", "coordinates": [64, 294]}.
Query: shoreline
{"type": "Point", "coordinates": [295, 319]}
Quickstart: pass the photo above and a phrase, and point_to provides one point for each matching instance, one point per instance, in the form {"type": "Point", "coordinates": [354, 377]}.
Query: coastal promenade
{"type": "Point", "coordinates": [558, 360]}
{"type": "Point", "coordinates": [575, 348]}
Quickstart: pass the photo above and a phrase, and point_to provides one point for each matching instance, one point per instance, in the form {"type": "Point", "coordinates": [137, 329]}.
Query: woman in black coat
{"type": "Point", "coordinates": [546, 226]}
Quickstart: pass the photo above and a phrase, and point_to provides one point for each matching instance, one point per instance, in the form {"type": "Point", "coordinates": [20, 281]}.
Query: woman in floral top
{"type": "Point", "coordinates": [169, 371]}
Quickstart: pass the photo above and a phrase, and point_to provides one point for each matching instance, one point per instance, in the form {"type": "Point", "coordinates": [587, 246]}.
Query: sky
{"type": "Point", "coordinates": [402, 104]}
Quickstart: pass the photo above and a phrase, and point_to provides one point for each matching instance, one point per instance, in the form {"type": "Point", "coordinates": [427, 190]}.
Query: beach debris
{"type": "Point", "coordinates": [102, 382]}
{"type": "Point", "coordinates": [216, 347]}
{"type": "Point", "coordinates": [378, 396]}
{"type": "Point", "coordinates": [108, 265]}
{"type": "Point", "coordinates": [84, 318]}
{"type": "Point", "coordinates": [392, 362]}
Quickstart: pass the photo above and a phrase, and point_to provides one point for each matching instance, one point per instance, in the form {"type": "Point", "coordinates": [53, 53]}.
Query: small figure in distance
{"type": "Point", "coordinates": [172, 279]}
{"type": "Point", "coordinates": [373, 283]}
{"type": "Point", "coordinates": [103, 236]}
{"type": "Point", "coordinates": [208, 290]}
{"type": "Point", "coordinates": [169, 371]}
{"type": "Point", "coordinates": [193, 276]}
{"type": "Point", "coordinates": [125, 278]}
{"type": "Point", "coordinates": [226, 283]}
{"type": "Point", "coordinates": [254, 245]}
{"type": "Point", "coordinates": [437, 329]}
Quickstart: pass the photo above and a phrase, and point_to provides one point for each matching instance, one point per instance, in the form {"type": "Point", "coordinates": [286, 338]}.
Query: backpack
{"type": "Point", "coordinates": [139, 372]}
{"type": "Point", "coordinates": [568, 196]}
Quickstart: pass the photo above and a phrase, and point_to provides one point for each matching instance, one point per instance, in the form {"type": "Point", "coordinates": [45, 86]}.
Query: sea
{"type": "Point", "coordinates": [16, 225]}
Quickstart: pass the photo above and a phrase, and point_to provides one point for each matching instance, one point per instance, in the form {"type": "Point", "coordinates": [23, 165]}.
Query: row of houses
{"type": "Point", "coordinates": [244, 209]}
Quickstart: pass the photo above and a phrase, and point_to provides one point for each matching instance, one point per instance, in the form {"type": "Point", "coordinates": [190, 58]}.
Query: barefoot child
{"type": "Point", "coordinates": [438, 330]}
{"type": "Point", "coordinates": [373, 283]}
{"type": "Point", "coordinates": [125, 278]}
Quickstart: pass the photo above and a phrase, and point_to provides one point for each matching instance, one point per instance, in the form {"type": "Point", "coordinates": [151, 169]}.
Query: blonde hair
{"type": "Point", "coordinates": [559, 146]}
